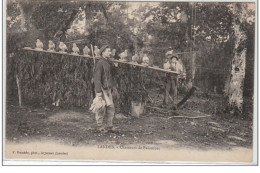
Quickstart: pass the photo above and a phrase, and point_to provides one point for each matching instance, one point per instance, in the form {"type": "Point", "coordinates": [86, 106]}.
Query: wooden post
{"type": "Point", "coordinates": [19, 90]}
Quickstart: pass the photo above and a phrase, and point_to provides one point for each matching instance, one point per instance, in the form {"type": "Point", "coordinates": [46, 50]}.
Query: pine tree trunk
{"type": "Point", "coordinates": [234, 87]}
{"type": "Point", "coordinates": [23, 21]}
{"type": "Point", "coordinates": [193, 67]}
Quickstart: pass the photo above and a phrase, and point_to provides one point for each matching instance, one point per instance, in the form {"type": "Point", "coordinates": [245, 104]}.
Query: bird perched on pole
{"type": "Point", "coordinates": [145, 60]}
{"type": "Point", "coordinates": [96, 51]}
{"type": "Point", "coordinates": [123, 55]}
{"type": "Point", "coordinates": [51, 46]}
{"type": "Point", "coordinates": [135, 58]}
{"type": "Point", "coordinates": [86, 51]}
{"type": "Point", "coordinates": [62, 47]}
{"type": "Point", "coordinates": [75, 49]}
{"type": "Point", "coordinates": [39, 44]}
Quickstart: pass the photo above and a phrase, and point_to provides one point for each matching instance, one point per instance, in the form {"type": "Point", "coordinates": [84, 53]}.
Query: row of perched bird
{"type": "Point", "coordinates": [169, 65]}
{"type": "Point", "coordinates": [63, 48]}
{"type": "Point", "coordinates": [86, 51]}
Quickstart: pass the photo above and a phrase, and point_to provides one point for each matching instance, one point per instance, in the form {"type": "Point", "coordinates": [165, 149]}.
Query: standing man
{"type": "Point", "coordinates": [103, 85]}
{"type": "Point", "coordinates": [171, 81]}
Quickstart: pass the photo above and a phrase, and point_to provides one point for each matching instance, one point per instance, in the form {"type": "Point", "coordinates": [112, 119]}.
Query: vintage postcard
{"type": "Point", "coordinates": [165, 82]}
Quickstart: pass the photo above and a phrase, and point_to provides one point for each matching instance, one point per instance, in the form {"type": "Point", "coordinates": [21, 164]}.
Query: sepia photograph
{"type": "Point", "coordinates": [165, 82]}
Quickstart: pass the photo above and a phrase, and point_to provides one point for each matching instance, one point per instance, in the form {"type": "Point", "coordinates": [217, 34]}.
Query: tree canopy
{"type": "Point", "coordinates": [204, 27]}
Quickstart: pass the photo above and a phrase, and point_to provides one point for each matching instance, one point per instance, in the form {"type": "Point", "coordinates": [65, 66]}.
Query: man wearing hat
{"type": "Point", "coordinates": [171, 81]}
{"type": "Point", "coordinates": [103, 84]}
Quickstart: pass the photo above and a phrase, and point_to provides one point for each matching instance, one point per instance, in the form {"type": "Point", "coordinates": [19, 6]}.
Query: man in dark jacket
{"type": "Point", "coordinates": [103, 84]}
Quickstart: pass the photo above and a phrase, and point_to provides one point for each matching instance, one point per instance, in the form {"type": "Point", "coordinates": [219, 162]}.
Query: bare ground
{"type": "Point", "coordinates": [178, 129]}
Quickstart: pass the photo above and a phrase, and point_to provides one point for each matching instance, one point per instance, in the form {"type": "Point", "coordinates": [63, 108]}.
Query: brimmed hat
{"type": "Point", "coordinates": [103, 48]}
{"type": "Point", "coordinates": [169, 53]}
{"type": "Point", "coordinates": [175, 56]}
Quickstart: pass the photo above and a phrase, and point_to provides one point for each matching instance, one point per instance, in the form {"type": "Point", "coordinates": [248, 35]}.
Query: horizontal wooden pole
{"type": "Point", "coordinates": [179, 53]}
{"type": "Point", "coordinates": [76, 41]}
{"type": "Point", "coordinates": [54, 52]}
{"type": "Point", "coordinates": [116, 61]}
